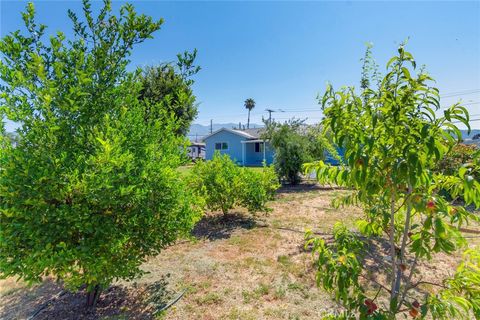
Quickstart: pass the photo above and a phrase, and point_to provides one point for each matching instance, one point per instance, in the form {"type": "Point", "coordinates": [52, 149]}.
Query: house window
{"type": "Point", "coordinates": [258, 147]}
{"type": "Point", "coordinates": [221, 146]}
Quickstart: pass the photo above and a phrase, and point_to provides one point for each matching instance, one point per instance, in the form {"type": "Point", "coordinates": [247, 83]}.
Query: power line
{"type": "Point", "coordinates": [459, 93]}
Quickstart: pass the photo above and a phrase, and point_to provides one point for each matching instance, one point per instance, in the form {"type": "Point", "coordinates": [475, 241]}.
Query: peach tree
{"type": "Point", "coordinates": [91, 187]}
{"type": "Point", "coordinates": [394, 135]}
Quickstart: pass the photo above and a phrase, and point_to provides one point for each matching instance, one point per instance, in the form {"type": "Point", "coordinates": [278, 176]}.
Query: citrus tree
{"type": "Point", "coordinates": [91, 188]}
{"type": "Point", "coordinates": [394, 140]}
{"type": "Point", "coordinates": [222, 184]}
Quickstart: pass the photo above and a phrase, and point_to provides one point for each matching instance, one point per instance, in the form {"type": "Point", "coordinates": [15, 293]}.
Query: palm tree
{"type": "Point", "coordinates": [249, 104]}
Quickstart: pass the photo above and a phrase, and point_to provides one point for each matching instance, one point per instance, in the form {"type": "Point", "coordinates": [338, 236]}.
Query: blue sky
{"type": "Point", "coordinates": [283, 53]}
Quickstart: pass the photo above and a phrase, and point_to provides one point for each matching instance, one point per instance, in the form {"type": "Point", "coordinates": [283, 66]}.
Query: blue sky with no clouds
{"type": "Point", "coordinates": [283, 53]}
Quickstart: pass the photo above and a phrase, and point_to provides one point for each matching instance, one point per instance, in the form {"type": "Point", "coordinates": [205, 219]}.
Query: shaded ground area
{"type": "Point", "coordinates": [234, 267]}
{"type": "Point", "coordinates": [50, 301]}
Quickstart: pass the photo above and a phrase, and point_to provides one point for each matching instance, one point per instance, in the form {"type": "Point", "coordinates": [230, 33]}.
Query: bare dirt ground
{"type": "Point", "coordinates": [234, 267]}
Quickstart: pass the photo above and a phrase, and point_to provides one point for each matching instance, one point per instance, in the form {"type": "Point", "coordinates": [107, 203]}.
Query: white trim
{"type": "Point", "coordinates": [237, 132]}
{"type": "Point", "coordinates": [264, 147]}
{"type": "Point", "coordinates": [252, 141]}
{"type": "Point", "coordinates": [243, 154]}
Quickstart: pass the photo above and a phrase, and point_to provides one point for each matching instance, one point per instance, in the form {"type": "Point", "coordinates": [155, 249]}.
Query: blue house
{"type": "Point", "coordinates": [246, 147]}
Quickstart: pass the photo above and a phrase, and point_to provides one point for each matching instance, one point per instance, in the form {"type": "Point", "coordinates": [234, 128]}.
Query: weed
{"type": "Point", "coordinates": [280, 293]}
{"type": "Point", "coordinates": [209, 298]}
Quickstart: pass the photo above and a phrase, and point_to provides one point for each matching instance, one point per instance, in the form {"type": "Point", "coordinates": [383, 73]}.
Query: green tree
{"type": "Point", "coordinates": [91, 189]}
{"type": "Point", "coordinates": [223, 185]}
{"type": "Point", "coordinates": [249, 105]}
{"type": "Point", "coordinates": [217, 182]}
{"type": "Point", "coordinates": [169, 87]}
{"type": "Point", "coordinates": [394, 141]}
{"type": "Point", "coordinates": [257, 188]}
{"type": "Point", "coordinates": [295, 144]}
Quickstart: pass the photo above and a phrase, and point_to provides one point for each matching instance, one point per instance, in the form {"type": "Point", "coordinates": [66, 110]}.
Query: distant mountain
{"type": "Point", "coordinates": [198, 131]}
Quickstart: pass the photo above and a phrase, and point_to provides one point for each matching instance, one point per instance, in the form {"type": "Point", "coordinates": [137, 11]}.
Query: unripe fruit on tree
{"type": "Point", "coordinates": [453, 211]}
{"type": "Point", "coordinates": [417, 199]}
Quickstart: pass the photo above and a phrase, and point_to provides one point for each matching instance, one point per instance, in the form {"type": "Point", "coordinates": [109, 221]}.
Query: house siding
{"type": "Point", "coordinates": [234, 145]}
{"type": "Point", "coordinates": [235, 151]}
{"type": "Point", "coordinates": [256, 158]}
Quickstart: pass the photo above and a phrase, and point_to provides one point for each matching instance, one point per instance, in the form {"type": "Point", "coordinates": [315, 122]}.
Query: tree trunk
{"type": "Point", "coordinates": [248, 121]}
{"type": "Point", "coordinates": [393, 255]}
{"type": "Point", "coordinates": [403, 247]}
{"type": "Point", "coordinates": [92, 296]}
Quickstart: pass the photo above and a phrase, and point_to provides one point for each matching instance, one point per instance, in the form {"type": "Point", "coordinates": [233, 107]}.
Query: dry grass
{"type": "Point", "coordinates": [238, 267]}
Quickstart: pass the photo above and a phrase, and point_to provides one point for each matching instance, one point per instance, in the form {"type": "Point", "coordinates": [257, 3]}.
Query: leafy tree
{"type": "Point", "coordinates": [224, 185]}
{"type": "Point", "coordinates": [217, 182]}
{"type": "Point", "coordinates": [168, 87]}
{"type": "Point", "coordinates": [393, 142]}
{"type": "Point", "coordinates": [295, 144]}
{"type": "Point", "coordinates": [257, 188]}
{"type": "Point", "coordinates": [249, 105]}
{"type": "Point", "coordinates": [91, 188]}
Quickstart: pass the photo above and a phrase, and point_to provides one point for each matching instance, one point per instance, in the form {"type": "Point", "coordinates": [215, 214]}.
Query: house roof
{"type": "Point", "coordinates": [253, 133]}
{"type": "Point", "coordinates": [192, 144]}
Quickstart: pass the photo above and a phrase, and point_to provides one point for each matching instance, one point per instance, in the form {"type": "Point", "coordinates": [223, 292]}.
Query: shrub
{"type": "Point", "coordinates": [217, 181]}
{"type": "Point", "coordinates": [223, 185]}
{"type": "Point", "coordinates": [257, 188]}
{"type": "Point", "coordinates": [91, 188]}
{"type": "Point", "coordinates": [460, 155]}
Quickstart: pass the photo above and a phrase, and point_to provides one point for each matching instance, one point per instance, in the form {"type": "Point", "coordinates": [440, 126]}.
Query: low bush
{"type": "Point", "coordinates": [460, 155]}
{"type": "Point", "coordinates": [256, 188]}
{"type": "Point", "coordinates": [223, 185]}
{"type": "Point", "coordinates": [216, 181]}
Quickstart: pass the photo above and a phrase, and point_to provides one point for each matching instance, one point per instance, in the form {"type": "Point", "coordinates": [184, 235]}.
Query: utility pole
{"type": "Point", "coordinates": [269, 115]}
{"type": "Point", "coordinates": [211, 126]}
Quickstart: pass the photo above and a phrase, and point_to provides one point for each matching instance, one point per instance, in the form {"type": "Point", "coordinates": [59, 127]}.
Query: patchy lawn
{"type": "Point", "coordinates": [234, 267]}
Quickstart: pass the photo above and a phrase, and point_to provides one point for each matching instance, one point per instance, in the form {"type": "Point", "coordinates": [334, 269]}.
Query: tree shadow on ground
{"type": "Point", "coordinates": [21, 303]}
{"type": "Point", "coordinates": [215, 227]}
{"type": "Point", "coordinates": [376, 260]}
{"type": "Point", "coordinates": [117, 302]}
{"type": "Point", "coordinates": [51, 301]}
{"type": "Point", "coordinates": [304, 187]}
